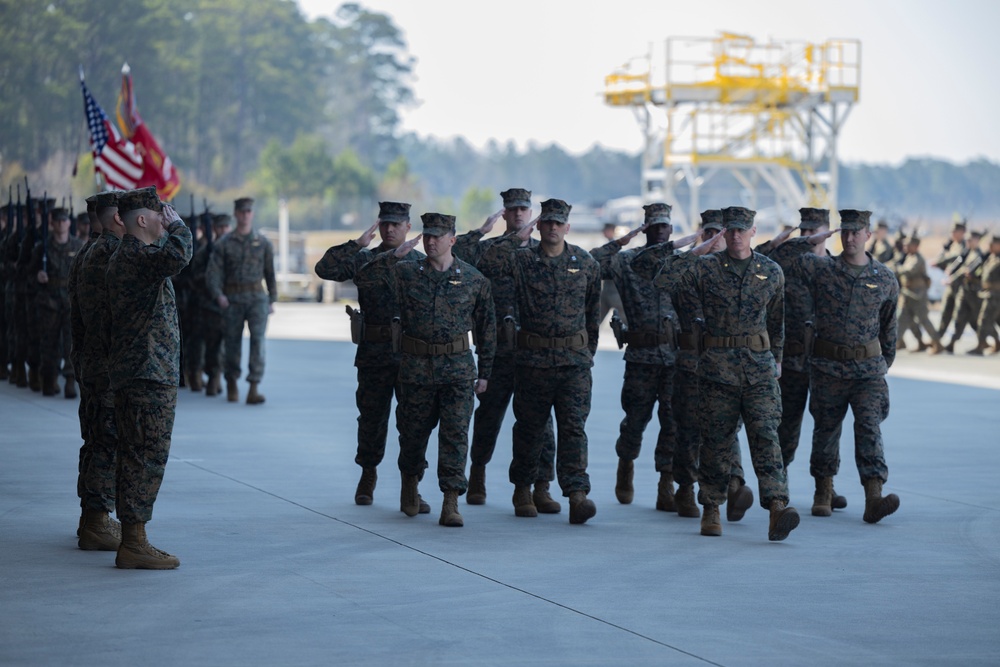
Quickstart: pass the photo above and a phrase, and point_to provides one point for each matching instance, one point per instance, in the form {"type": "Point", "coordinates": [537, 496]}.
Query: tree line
{"type": "Point", "coordinates": [248, 96]}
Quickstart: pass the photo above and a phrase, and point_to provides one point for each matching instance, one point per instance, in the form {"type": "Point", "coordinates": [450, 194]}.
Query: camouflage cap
{"type": "Point", "coordinates": [82, 219]}
{"type": "Point", "coordinates": [737, 217]}
{"type": "Point", "coordinates": [59, 214]}
{"type": "Point", "coordinates": [959, 223]}
{"type": "Point", "coordinates": [913, 239]}
{"type": "Point", "coordinates": [977, 233]}
{"type": "Point", "coordinates": [711, 219]}
{"type": "Point", "coordinates": [657, 214]}
{"type": "Point", "coordinates": [555, 210]}
{"type": "Point", "coordinates": [995, 238]}
{"type": "Point", "coordinates": [393, 211]}
{"type": "Point", "coordinates": [134, 200]}
{"type": "Point", "coordinates": [438, 224]}
{"type": "Point", "coordinates": [91, 203]}
{"type": "Point", "coordinates": [814, 218]}
{"type": "Point", "coordinates": [882, 224]}
{"type": "Point", "coordinates": [516, 197]}
{"type": "Point", "coordinates": [107, 199]}
{"type": "Point", "coordinates": [243, 204]}
{"type": "Point", "coordinates": [222, 220]}
{"type": "Point", "coordinates": [852, 220]}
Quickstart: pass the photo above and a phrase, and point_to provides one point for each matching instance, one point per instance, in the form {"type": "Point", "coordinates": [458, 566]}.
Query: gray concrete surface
{"type": "Point", "coordinates": [278, 566]}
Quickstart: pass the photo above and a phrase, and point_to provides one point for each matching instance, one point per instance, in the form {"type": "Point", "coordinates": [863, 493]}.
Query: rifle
{"type": "Point", "coordinates": [10, 215]}
{"type": "Point", "coordinates": [20, 215]}
{"type": "Point", "coordinates": [206, 221]}
{"type": "Point", "coordinates": [45, 231]}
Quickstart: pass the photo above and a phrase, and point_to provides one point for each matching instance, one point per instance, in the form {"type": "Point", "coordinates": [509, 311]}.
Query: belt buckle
{"type": "Point", "coordinates": [859, 353]}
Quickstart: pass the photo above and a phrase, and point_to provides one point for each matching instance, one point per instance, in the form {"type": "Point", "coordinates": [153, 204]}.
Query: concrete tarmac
{"type": "Point", "coordinates": [279, 566]}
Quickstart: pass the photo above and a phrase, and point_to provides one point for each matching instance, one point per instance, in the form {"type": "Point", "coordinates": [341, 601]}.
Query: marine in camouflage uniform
{"type": "Point", "coordinates": [912, 311]}
{"type": "Point", "coordinates": [26, 316]}
{"type": "Point", "coordinates": [738, 297]}
{"type": "Point", "coordinates": [854, 301]}
{"type": "Point", "coordinates": [5, 229]}
{"type": "Point", "coordinates": [493, 403]}
{"type": "Point", "coordinates": [954, 249]}
{"type": "Point", "coordinates": [143, 337]}
{"type": "Point", "coordinates": [189, 317]}
{"type": "Point", "coordinates": [9, 249]}
{"type": "Point", "coordinates": [50, 267]}
{"type": "Point", "coordinates": [879, 246]}
{"type": "Point", "coordinates": [240, 262]}
{"type": "Point", "coordinates": [669, 271]}
{"type": "Point", "coordinates": [651, 336]}
{"type": "Point", "coordinates": [209, 341]}
{"type": "Point", "coordinates": [558, 296]}
{"type": "Point", "coordinates": [440, 299]}
{"type": "Point", "coordinates": [377, 363]}
{"type": "Point", "coordinates": [989, 295]}
{"type": "Point", "coordinates": [965, 275]}
{"type": "Point", "coordinates": [88, 312]}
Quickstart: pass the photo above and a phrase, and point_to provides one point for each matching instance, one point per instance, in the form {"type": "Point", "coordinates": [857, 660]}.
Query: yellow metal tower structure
{"type": "Point", "coordinates": [769, 115]}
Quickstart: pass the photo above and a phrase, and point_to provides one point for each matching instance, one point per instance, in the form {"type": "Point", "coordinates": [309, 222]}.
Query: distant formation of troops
{"type": "Point", "coordinates": [99, 307]}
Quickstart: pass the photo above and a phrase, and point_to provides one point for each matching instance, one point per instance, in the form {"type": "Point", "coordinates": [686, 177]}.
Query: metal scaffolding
{"type": "Point", "coordinates": [766, 115]}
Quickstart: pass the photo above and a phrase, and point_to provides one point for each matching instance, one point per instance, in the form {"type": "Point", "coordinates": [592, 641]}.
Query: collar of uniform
{"type": "Point", "coordinates": [426, 269]}
{"type": "Point", "coordinates": [869, 268]}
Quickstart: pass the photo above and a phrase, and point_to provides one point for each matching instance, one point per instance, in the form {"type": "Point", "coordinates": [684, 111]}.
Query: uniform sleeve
{"type": "Point", "coordinates": [887, 323]}
{"type": "Point", "coordinates": [467, 247]}
{"type": "Point", "coordinates": [341, 262]}
{"type": "Point", "coordinates": [214, 271]}
{"type": "Point", "coordinates": [648, 261]}
{"type": "Point", "coordinates": [593, 306]}
{"type": "Point", "coordinates": [164, 261]}
{"type": "Point", "coordinates": [605, 256]}
{"type": "Point", "coordinates": [499, 258]}
{"type": "Point", "coordinates": [272, 284]}
{"type": "Point", "coordinates": [75, 315]}
{"type": "Point", "coordinates": [486, 330]}
{"type": "Point", "coordinates": [776, 319]}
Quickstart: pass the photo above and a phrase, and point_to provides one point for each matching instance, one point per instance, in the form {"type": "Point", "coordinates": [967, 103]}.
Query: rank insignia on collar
{"type": "Point", "coordinates": [573, 270]}
{"type": "Point", "coordinates": [760, 277]}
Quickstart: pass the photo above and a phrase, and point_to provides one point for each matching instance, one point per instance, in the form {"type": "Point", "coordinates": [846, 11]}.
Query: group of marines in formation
{"type": "Point", "coordinates": [104, 313]}
{"type": "Point", "coordinates": [718, 336]}
{"type": "Point", "coordinates": [971, 287]}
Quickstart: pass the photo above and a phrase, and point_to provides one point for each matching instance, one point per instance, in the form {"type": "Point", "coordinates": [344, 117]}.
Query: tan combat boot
{"type": "Point", "coordinates": [878, 507]}
{"type": "Point", "coordinates": [784, 520]}
{"type": "Point", "coordinates": [665, 501]}
{"type": "Point", "coordinates": [936, 347]}
{"type": "Point", "coordinates": [624, 491]}
{"type": "Point", "coordinates": [739, 500]}
{"type": "Point", "coordinates": [543, 500]}
{"type": "Point", "coordinates": [232, 391]}
{"type": "Point", "coordinates": [837, 501]}
{"type": "Point", "coordinates": [524, 506]}
{"type": "Point", "coordinates": [581, 507]}
{"type": "Point", "coordinates": [69, 390]}
{"type": "Point", "coordinates": [136, 553]}
{"type": "Point", "coordinates": [711, 522]}
{"type": "Point", "coordinates": [365, 493]}
{"type": "Point", "coordinates": [19, 377]}
{"type": "Point", "coordinates": [424, 508]}
{"type": "Point", "coordinates": [35, 380]}
{"type": "Point", "coordinates": [686, 505]}
{"type": "Point", "coordinates": [823, 498]}
{"type": "Point", "coordinates": [195, 380]}
{"type": "Point", "coordinates": [409, 496]}
{"type": "Point", "coordinates": [476, 495]}
{"type": "Point", "coordinates": [449, 511]}
{"type": "Point", "coordinates": [254, 397]}
{"type": "Point", "coordinates": [214, 386]}
{"type": "Point", "coordinates": [99, 532]}
{"type": "Point", "coordinates": [50, 385]}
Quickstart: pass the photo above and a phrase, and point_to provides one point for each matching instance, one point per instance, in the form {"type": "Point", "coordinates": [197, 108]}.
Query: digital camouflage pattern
{"type": "Point", "coordinates": [733, 305]}
{"type": "Point", "coordinates": [91, 309]}
{"type": "Point", "coordinates": [989, 295]}
{"type": "Point", "coordinates": [646, 386]}
{"type": "Point", "coordinates": [208, 343]}
{"type": "Point", "coordinates": [377, 364]}
{"type": "Point", "coordinates": [144, 334]}
{"type": "Point", "coordinates": [145, 419]}
{"type": "Point", "coordinates": [238, 265]}
{"type": "Point", "coordinates": [850, 309]}
{"type": "Point", "coordinates": [437, 390]}
{"type": "Point", "coordinates": [554, 297]}
{"type": "Point", "coordinates": [53, 305]}
{"type": "Point", "coordinates": [99, 453]}
{"type": "Point", "coordinates": [794, 399]}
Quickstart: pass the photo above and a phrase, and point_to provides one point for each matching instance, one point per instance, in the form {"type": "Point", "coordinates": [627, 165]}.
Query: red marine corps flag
{"type": "Point", "coordinates": [158, 170]}
{"type": "Point", "coordinates": [115, 157]}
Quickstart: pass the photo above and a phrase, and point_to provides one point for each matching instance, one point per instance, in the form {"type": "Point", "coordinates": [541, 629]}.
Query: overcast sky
{"type": "Point", "coordinates": [533, 70]}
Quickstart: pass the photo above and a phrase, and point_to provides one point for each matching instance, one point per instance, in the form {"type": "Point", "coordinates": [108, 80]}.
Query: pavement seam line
{"type": "Point", "coordinates": [456, 565]}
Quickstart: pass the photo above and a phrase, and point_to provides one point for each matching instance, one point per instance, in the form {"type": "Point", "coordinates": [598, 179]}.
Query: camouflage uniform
{"type": "Point", "coordinates": [966, 278]}
{"type": "Point", "coordinates": [238, 265]}
{"type": "Point", "coordinates": [89, 313]}
{"type": "Point", "coordinates": [377, 364]}
{"type": "Point", "coordinates": [854, 309]}
{"type": "Point", "coordinates": [493, 403]}
{"type": "Point", "coordinates": [989, 295]}
{"type": "Point", "coordinates": [556, 298]}
{"type": "Point", "coordinates": [912, 312]}
{"type": "Point", "coordinates": [9, 260]}
{"type": "Point", "coordinates": [649, 358]}
{"type": "Point", "coordinates": [189, 317]}
{"type": "Point", "coordinates": [144, 363]}
{"type": "Point", "coordinates": [744, 338]}
{"type": "Point", "coordinates": [436, 386]}
{"type": "Point", "coordinates": [52, 304]}
{"type": "Point", "coordinates": [951, 252]}
{"type": "Point", "coordinates": [29, 281]}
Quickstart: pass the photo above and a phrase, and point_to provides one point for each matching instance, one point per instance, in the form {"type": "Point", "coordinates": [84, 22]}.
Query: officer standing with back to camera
{"type": "Point", "coordinates": [377, 363]}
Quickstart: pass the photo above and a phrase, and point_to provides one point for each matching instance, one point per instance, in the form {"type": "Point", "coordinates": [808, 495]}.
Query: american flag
{"type": "Point", "coordinates": [114, 157]}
